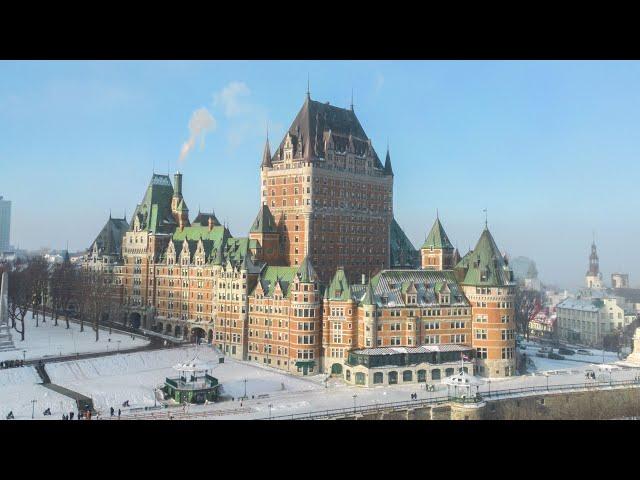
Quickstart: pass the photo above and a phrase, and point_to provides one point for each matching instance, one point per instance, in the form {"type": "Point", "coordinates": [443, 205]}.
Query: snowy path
{"type": "Point", "coordinates": [19, 386]}
{"type": "Point", "coordinates": [47, 340]}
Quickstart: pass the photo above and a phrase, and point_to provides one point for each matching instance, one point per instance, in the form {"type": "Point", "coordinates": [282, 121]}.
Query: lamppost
{"type": "Point", "coordinates": [355, 396]}
{"type": "Point", "coordinates": [270, 405]}
{"type": "Point", "coordinates": [245, 388]}
{"type": "Point", "coordinates": [489, 383]}
{"type": "Point", "coordinates": [33, 408]}
{"type": "Point", "coordinates": [119, 344]}
{"type": "Point", "coordinates": [24, 355]}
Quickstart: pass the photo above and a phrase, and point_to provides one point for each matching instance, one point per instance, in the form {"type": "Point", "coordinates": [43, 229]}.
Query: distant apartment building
{"type": "Point", "coordinates": [588, 320]}
{"type": "Point", "coordinates": [5, 225]}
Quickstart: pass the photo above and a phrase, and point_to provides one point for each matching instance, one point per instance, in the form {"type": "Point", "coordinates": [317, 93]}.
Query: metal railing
{"type": "Point", "coordinates": [494, 394]}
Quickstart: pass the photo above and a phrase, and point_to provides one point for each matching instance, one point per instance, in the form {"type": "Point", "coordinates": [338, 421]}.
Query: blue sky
{"type": "Point", "coordinates": [549, 148]}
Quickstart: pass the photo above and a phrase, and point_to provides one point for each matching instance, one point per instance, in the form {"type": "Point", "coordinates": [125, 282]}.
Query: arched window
{"type": "Point", "coordinates": [407, 376]}
{"type": "Point", "coordinates": [378, 377]}
{"type": "Point", "coordinates": [449, 371]}
{"type": "Point", "coordinates": [422, 375]}
{"type": "Point", "coordinates": [360, 378]}
{"type": "Point", "coordinates": [435, 374]}
{"type": "Point", "coordinates": [393, 378]}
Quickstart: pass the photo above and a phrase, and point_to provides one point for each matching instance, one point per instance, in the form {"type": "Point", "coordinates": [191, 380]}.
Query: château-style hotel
{"type": "Point", "coordinates": [325, 280]}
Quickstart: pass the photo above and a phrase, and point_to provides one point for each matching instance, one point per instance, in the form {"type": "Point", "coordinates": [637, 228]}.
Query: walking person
{"type": "Point", "coordinates": [119, 412]}
{"type": "Point", "coordinates": [112, 411]}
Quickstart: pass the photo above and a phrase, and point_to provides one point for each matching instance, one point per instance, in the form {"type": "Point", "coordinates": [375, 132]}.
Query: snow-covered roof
{"type": "Point", "coordinates": [461, 379]}
{"type": "Point", "coordinates": [195, 365]}
{"type": "Point", "coordinates": [422, 349]}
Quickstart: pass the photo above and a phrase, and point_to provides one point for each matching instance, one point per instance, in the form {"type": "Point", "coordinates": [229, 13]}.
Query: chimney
{"type": "Point", "coordinates": [210, 223]}
{"type": "Point", "coordinates": [177, 184]}
{"type": "Point", "coordinates": [181, 224]}
{"type": "Point", "coordinates": [364, 279]}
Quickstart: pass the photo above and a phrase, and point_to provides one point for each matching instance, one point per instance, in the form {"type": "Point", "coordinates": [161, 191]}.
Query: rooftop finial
{"type": "Point", "coordinates": [437, 215]}
{"type": "Point", "coordinates": [308, 89]}
{"type": "Point", "coordinates": [486, 220]}
{"type": "Point", "coordinates": [352, 99]}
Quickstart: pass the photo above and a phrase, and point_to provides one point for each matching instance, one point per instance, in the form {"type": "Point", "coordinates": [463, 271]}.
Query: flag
{"type": "Point", "coordinates": [465, 358]}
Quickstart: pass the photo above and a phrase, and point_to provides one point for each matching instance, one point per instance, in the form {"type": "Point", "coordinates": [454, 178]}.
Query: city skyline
{"type": "Point", "coordinates": [84, 137]}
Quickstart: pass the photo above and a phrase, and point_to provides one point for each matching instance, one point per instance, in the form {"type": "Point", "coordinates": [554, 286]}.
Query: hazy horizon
{"type": "Point", "coordinates": [548, 148]}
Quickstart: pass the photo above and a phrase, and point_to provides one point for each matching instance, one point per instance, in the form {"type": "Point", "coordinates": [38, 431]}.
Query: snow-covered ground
{"type": "Point", "coordinates": [571, 362]}
{"type": "Point", "coordinates": [18, 386]}
{"type": "Point", "coordinates": [114, 379]}
{"type": "Point", "coordinates": [47, 340]}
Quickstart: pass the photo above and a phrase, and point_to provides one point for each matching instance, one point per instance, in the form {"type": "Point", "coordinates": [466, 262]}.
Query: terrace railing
{"type": "Point", "coordinates": [411, 404]}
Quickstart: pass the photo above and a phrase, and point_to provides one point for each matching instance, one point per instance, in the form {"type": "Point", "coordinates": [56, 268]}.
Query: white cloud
{"type": "Point", "coordinates": [379, 82]}
{"type": "Point", "coordinates": [231, 98]}
{"type": "Point", "coordinates": [200, 124]}
{"type": "Point", "coordinates": [246, 119]}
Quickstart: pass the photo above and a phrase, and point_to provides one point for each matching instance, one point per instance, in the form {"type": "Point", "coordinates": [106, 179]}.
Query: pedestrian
{"type": "Point", "coordinates": [70, 415]}
{"type": "Point", "coordinates": [119, 414]}
{"type": "Point", "coordinates": [112, 411]}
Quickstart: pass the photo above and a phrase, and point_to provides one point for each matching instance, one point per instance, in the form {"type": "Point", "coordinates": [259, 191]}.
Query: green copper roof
{"type": "Point", "coordinates": [196, 232]}
{"type": "Point", "coordinates": [339, 288]}
{"type": "Point", "coordinates": [270, 275]}
{"type": "Point", "coordinates": [402, 252]}
{"type": "Point", "coordinates": [485, 265]}
{"type": "Point", "coordinates": [306, 273]}
{"type": "Point", "coordinates": [264, 222]}
{"type": "Point", "coordinates": [369, 297]}
{"type": "Point", "coordinates": [154, 212]}
{"type": "Point", "coordinates": [437, 237]}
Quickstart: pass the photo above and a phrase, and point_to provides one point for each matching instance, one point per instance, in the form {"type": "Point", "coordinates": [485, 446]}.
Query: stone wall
{"type": "Point", "coordinates": [587, 405]}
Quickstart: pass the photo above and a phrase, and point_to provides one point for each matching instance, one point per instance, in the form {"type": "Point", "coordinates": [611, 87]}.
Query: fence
{"type": "Point", "coordinates": [494, 394]}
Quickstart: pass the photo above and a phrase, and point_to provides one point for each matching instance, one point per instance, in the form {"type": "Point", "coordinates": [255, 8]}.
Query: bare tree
{"type": "Point", "coordinates": [20, 293]}
{"type": "Point", "coordinates": [526, 304]}
{"type": "Point", "coordinates": [39, 272]}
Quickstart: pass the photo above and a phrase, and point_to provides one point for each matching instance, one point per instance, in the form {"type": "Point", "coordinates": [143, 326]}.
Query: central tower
{"type": "Point", "coordinates": [329, 193]}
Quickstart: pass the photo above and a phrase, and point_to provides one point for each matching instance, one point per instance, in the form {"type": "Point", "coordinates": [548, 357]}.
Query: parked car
{"type": "Point", "coordinates": [566, 351]}
{"type": "Point", "coordinates": [582, 351]}
{"type": "Point", "coordinates": [555, 356]}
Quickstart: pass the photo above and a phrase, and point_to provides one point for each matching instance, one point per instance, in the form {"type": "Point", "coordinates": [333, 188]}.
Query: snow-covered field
{"type": "Point", "coordinates": [112, 380]}
{"type": "Point", "coordinates": [18, 386]}
{"type": "Point", "coordinates": [47, 340]}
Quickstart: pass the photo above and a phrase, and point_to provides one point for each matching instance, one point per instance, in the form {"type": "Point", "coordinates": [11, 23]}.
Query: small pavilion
{"type": "Point", "coordinates": [194, 384]}
{"type": "Point", "coordinates": [462, 387]}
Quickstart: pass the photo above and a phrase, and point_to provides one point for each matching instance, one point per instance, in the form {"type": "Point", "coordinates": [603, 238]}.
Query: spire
{"type": "Point", "coordinates": [264, 222]}
{"type": "Point", "coordinates": [387, 163]}
{"type": "Point", "coordinates": [308, 90]}
{"type": "Point", "coordinates": [266, 155]}
{"type": "Point", "coordinates": [437, 237]}
{"type": "Point", "coordinates": [369, 297]}
{"type": "Point", "coordinates": [306, 272]}
{"type": "Point", "coordinates": [352, 99]}
{"type": "Point", "coordinates": [486, 219]}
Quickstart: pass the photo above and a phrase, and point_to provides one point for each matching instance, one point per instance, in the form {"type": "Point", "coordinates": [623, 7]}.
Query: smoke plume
{"type": "Point", "coordinates": [200, 123]}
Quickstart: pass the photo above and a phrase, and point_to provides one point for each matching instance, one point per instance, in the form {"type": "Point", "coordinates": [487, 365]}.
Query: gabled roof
{"type": "Point", "coordinates": [109, 240]}
{"type": "Point", "coordinates": [203, 219]}
{"type": "Point", "coordinates": [485, 265]}
{"type": "Point", "coordinates": [437, 237]}
{"type": "Point", "coordinates": [316, 122]}
{"type": "Point", "coordinates": [339, 288]}
{"type": "Point", "coordinates": [264, 222]}
{"type": "Point", "coordinates": [154, 212]}
{"type": "Point", "coordinates": [270, 276]}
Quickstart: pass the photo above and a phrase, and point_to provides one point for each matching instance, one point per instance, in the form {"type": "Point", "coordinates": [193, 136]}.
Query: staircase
{"type": "Point", "coordinates": [6, 342]}
{"type": "Point", "coordinates": [83, 402]}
